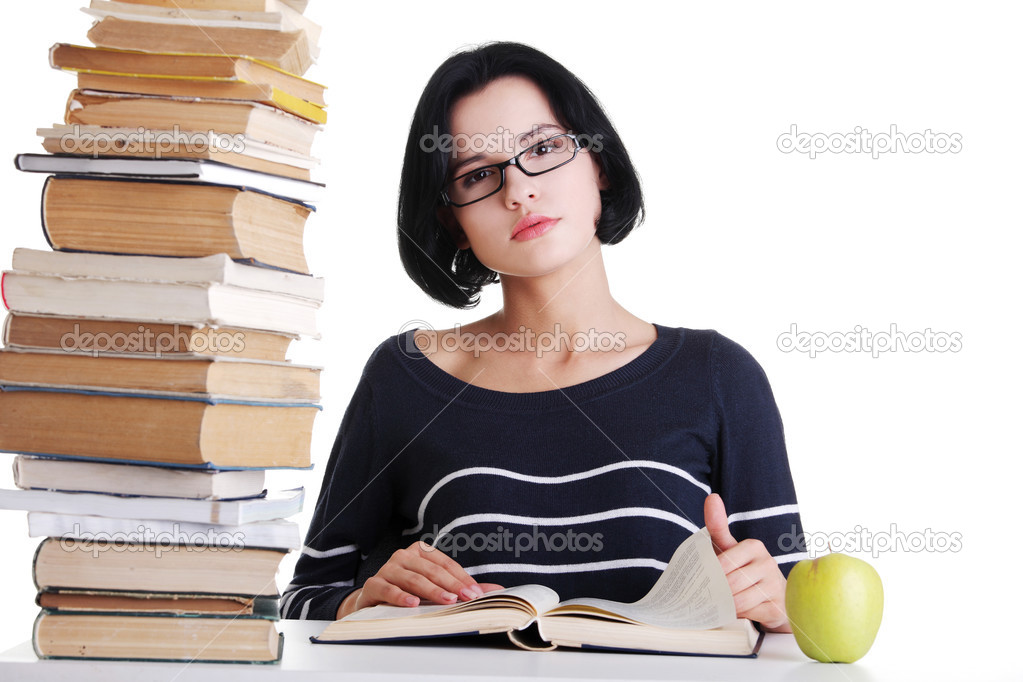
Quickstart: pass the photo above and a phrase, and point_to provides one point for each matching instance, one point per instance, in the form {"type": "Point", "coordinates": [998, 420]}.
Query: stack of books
{"type": "Point", "coordinates": [144, 383]}
{"type": "Point", "coordinates": [151, 578]}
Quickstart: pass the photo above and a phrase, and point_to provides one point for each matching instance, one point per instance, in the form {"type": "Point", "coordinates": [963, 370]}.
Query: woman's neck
{"type": "Point", "coordinates": [572, 301]}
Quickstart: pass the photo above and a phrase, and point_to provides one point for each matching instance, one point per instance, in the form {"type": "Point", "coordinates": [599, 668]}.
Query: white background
{"type": "Point", "coordinates": [739, 237]}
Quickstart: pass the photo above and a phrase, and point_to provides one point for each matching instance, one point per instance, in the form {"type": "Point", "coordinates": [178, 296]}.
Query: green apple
{"type": "Point", "coordinates": [834, 604]}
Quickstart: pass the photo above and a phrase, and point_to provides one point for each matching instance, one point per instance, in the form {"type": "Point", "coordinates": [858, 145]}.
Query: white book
{"type": "Point", "coordinates": [217, 269]}
{"type": "Point", "coordinates": [277, 505]}
{"type": "Point", "coordinates": [211, 291]}
{"type": "Point", "coordinates": [172, 170]}
{"type": "Point", "coordinates": [44, 473]}
{"type": "Point", "coordinates": [282, 535]}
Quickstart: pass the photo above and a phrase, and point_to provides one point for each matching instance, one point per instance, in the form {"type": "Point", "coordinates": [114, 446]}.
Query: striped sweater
{"type": "Point", "coordinates": [587, 489]}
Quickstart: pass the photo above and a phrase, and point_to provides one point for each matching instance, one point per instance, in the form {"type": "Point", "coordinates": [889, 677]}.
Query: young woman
{"type": "Point", "coordinates": [562, 440]}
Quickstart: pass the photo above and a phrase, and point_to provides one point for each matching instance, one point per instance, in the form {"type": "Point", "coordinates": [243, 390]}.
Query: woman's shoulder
{"type": "Point", "coordinates": [724, 358]}
{"type": "Point", "coordinates": [711, 342]}
{"type": "Point", "coordinates": [387, 353]}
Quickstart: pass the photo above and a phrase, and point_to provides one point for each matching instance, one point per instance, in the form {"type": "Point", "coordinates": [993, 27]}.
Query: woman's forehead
{"type": "Point", "coordinates": [511, 104]}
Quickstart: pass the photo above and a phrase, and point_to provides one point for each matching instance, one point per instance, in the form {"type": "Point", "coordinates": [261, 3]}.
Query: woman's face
{"type": "Point", "coordinates": [508, 115]}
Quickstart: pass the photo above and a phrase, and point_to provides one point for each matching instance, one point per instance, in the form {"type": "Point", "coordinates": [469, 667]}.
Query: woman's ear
{"type": "Point", "coordinates": [447, 219]}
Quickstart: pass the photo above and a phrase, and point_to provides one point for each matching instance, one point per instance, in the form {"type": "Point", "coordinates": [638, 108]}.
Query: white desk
{"type": "Point", "coordinates": [780, 659]}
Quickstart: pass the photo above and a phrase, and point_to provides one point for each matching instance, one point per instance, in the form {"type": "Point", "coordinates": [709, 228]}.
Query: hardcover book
{"type": "Point", "coordinates": [689, 610]}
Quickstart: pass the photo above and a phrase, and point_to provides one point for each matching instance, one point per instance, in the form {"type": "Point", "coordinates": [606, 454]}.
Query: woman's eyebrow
{"type": "Point", "coordinates": [464, 162]}
{"type": "Point", "coordinates": [537, 129]}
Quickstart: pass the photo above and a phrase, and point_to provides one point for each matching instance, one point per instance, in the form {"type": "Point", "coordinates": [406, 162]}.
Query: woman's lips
{"type": "Point", "coordinates": [535, 229]}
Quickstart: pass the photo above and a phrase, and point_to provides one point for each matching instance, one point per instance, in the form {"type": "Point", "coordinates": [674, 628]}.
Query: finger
{"type": "Point", "coordinates": [446, 571]}
{"type": "Point", "coordinates": [490, 587]}
{"type": "Point", "coordinates": [420, 577]}
{"type": "Point", "coordinates": [378, 590]}
{"type": "Point", "coordinates": [743, 554]}
{"type": "Point", "coordinates": [439, 576]}
{"type": "Point", "coordinates": [747, 574]}
{"type": "Point", "coordinates": [430, 587]}
{"type": "Point", "coordinates": [441, 559]}
{"type": "Point", "coordinates": [414, 582]}
{"type": "Point", "coordinates": [748, 601]}
{"type": "Point", "coordinates": [716, 520]}
{"type": "Point", "coordinates": [761, 602]}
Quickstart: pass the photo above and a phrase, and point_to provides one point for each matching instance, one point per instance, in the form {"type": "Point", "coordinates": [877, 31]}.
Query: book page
{"type": "Point", "coordinates": [535, 598]}
{"type": "Point", "coordinates": [692, 592]}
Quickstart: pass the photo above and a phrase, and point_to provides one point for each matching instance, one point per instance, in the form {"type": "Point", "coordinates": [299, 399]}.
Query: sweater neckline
{"type": "Point", "coordinates": [668, 340]}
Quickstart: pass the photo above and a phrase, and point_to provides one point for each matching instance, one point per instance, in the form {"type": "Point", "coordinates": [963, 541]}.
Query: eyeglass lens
{"type": "Point", "coordinates": [539, 158]}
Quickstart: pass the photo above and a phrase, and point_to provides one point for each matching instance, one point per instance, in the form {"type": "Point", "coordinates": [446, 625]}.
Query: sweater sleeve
{"type": "Point", "coordinates": [353, 507]}
{"type": "Point", "coordinates": [751, 471]}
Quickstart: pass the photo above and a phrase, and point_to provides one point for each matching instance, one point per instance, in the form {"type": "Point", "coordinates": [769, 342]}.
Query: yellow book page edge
{"type": "Point", "coordinates": [299, 106]}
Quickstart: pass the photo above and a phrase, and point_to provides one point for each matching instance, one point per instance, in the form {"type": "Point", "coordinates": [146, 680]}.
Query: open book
{"type": "Point", "coordinates": [689, 610]}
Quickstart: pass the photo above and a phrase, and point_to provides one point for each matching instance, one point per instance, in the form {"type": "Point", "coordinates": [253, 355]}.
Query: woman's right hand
{"type": "Point", "coordinates": [417, 572]}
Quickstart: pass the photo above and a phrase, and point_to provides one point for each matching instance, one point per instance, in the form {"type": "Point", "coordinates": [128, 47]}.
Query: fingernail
{"type": "Point", "coordinates": [447, 596]}
{"type": "Point", "coordinates": [411, 601]}
{"type": "Point", "coordinates": [477, 590]}
{"type": "Point", "coordinates": [468, 594]}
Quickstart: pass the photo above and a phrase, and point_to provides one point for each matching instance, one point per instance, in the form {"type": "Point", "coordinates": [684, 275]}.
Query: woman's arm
{"type": "Point", "coordinates": [416, 572]}
{"type": "Point", "coordinates": [352, 511]}
{"type": "Point", "coordinates": [352, 519]}
{"type": "Point", "coordinates": [751, 473]}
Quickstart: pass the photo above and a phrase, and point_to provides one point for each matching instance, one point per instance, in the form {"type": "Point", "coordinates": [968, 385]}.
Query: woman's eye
{"type": "Point", "coordinates": [479, 176]}
{"type": "Point", "coordinates": [548, 146]}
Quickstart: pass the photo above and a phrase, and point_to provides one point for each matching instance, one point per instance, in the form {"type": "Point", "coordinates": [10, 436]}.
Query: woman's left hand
{"type": "Point", "coordinates": [757, 583]}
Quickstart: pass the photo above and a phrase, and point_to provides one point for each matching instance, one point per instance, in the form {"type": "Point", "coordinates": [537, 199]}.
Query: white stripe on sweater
{"type": "Point", "coordinates": [286, 604]}
{"type": "Point", "coordinates": [549, 480]}
{"type": "Point", "coordinates": [566, 568]}
{"type": "Point", "coordinates": [617, 513]}
{"type": "Point", "coordinates": [795, 556]}
{"type": "Point", "coordinates": [326, 553]}
{"type": "Point", "coordinates": [763, 513]}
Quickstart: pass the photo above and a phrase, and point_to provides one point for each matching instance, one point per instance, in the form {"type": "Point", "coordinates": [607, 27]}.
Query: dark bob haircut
{"type": "Point", "coordinates": [428, 252]}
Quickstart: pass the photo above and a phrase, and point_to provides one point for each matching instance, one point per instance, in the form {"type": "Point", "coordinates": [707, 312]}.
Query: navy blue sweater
{"type": "Point", "coordinates": [587, 489]}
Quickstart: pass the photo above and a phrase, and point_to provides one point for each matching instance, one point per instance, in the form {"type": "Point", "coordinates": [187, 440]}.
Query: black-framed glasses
{"type": "Point", "coordinates": [537, 159]}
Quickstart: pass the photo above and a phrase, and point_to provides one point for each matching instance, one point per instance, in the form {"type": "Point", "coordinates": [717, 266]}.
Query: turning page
{"type": "Point", "coordinates": [692, 592]}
